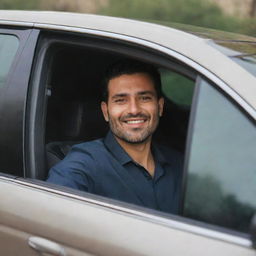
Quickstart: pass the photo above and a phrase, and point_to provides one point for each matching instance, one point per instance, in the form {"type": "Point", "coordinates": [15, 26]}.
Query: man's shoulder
{"type": "Point", "coordinates": [91, 145]}
{"type": "Point", "coordinates": [83, 155]}
{"type": "Point", "coordinates": [87, 150]}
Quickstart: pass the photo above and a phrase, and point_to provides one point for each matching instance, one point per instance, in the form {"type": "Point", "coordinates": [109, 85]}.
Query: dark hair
{"type": "Point", "coordinates": [129, 67]}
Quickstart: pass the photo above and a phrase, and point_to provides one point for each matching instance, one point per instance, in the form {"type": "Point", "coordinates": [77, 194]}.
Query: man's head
{"type": "Point", "coordinates": [132, 101]}
{"type": "Point", "coordinates": [128, 67]}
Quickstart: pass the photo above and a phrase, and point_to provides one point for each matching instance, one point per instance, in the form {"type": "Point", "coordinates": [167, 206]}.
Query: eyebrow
{"type": "Point", "coordinates": [120, 95]}
{"type": "Point", "coordinates": [146, 92]}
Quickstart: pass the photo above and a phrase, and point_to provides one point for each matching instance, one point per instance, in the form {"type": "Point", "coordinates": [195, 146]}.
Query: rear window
{"type": "Point", "coordinates": [8, 48]}
{"type": "Point", "coordinates": [243, 53]}
{"type": "Point", "coordinates": [247, 62]}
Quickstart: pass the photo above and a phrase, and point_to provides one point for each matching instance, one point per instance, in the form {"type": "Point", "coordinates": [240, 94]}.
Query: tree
{"type": "Point", "coordinates": [19, 4]}
{"type": "Point", "coordinates": [253, 9]}
{"type": "Point", "coordinates": [194, 12]}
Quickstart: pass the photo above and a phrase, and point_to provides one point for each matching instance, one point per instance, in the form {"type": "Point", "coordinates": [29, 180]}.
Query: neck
{"type": "Point", "coordinates": [140, 153]}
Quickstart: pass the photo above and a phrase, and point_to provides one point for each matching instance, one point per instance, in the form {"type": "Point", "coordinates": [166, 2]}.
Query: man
{"type": "Point", "coordinates": [126, 165]}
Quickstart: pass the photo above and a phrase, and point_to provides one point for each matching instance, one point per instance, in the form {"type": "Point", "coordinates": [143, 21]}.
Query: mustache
{"type": "Point", "coordinates": [128, 116]}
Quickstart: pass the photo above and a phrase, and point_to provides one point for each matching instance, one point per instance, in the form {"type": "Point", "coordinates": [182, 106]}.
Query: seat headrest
{"type": "Point", "coordinates": [76, 120]}
{"type": "Point", "coordinates": [71, 119]}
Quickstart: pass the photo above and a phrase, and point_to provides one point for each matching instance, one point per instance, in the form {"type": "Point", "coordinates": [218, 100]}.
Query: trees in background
{"type": "Point", "coordinates": [88, 6]}
{"type": "Point", "coordinates": [193, 12]}
{"type": "Point", "coordinates": [20, 4]}
{"type": "Point", "coordinates": [253, 9]}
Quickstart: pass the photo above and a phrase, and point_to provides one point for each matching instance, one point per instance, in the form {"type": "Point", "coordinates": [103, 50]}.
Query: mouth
{"type": "Point", "coordinates": [135, 123]}
{"type": "Point", "coordinates": [140, 121]}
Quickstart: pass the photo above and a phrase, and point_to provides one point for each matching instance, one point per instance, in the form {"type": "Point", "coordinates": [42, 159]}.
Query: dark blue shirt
{"type": "Point", "coordinates": [102, 167]}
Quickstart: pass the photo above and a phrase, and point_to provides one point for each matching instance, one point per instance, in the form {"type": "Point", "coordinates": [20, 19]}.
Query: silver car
{"type": "Point", "coordinates": [50, 80]}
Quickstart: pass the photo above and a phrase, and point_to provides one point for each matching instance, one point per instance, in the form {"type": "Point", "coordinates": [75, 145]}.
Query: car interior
{"type": "Point", "coordinates": [73, 115]}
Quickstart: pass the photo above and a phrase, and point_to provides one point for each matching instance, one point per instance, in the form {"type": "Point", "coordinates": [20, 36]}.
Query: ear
{"type": "Point", "coordinates": [104, 109]}
{"type": "Point", "coordinates": [161, 106]}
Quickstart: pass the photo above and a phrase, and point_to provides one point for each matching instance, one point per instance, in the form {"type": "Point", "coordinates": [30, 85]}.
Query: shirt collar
{"type": "Point", "coordinates": [115, 149]}
{"type": "Point", "coordinates": [123, 158]}
{"type": "Point", "coordinates": [159, 156]}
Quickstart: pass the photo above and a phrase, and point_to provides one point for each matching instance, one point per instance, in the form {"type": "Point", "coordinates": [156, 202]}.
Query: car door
{"type": "Point", "coordinates": [37, 219]}
{"type": "Point", "coordinates": [17, 46]}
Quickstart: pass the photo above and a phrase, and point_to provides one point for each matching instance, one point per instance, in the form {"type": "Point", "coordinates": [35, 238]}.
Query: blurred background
{"type": "Point", "coordinates": [230, 15]}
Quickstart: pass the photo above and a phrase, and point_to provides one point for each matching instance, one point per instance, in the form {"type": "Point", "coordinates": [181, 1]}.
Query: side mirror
{"type": "Point", "coordinates": [253, 231]}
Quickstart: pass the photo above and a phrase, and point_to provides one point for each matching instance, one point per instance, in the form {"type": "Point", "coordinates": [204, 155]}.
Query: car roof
{"type": "Point", "coordinates": [192, 47]}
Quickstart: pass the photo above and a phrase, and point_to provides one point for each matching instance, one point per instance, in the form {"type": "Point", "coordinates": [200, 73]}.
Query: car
{"type": "Point", "coordinates": [51, 68]}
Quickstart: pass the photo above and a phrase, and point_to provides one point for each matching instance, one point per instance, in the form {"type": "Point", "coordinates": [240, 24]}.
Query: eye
{"type": "Point", "coordinates": [119, 100]}
{"type": "Point", "coordinates": [146, 98]}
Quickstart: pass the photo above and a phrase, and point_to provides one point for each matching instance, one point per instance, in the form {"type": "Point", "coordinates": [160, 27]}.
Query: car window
{"type": "Point", "coordinates": [221, 162]}
{"type": "Point", "coordinates": [247, 62]}
{"type": "Point", "coordinates": [177, 87]}
{"type": "Point", "coordinates": [243, 53]}
{"type": "Point", "coordinates": [8, 48]}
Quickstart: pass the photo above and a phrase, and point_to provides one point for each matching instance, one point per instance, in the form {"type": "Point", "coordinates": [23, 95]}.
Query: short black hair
{"type": "Point", "coordinates": [129, 67]}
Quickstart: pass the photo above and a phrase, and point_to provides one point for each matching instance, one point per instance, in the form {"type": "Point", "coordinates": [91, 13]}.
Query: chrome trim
{"type": "Point", "coordinates": [16, 23]}
{"type": "Point", "coordinates": [217, 235]}
{"type": "Point", "coordinates": [248, 108]}
{"type": "Point", "coordinates": [7, 178]}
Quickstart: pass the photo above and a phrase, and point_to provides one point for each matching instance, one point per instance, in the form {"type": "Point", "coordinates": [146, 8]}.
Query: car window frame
{"type": "Point", "coordinates": [14, 93]}
{"type": "Point", "coordinates": [38, 93]}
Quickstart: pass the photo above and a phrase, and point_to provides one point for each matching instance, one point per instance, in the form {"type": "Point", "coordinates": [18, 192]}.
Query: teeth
{"type": "Point", "coordinates": [135, 121]}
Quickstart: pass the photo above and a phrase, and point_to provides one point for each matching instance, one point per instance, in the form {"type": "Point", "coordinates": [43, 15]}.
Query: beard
{"type": "Point", "coordinates": [132, 135]}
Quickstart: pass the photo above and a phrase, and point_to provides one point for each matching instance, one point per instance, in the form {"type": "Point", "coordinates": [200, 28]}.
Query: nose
{"type": "Point", "coordinates": [134, 106]}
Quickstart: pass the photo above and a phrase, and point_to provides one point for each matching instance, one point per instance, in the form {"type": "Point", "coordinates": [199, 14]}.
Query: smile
{"type": "Point", "coordinates": [135, 121]}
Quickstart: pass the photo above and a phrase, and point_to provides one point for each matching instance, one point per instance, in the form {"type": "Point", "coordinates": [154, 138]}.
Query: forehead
{"type": "Point", "coordinates": [131, 84]}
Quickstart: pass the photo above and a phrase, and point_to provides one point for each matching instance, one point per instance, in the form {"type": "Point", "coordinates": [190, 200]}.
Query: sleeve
{"type": "Point", "coordinates": [73, 171]}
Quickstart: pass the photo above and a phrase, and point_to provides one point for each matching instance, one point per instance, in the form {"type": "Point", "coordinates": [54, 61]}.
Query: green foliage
{"type": "Point", "coordinates": [194, 12]}
{"type": "Point", "coordinates": [177, 88]}
{"type": "Point", "coordinates": [248, 26]}
{"type": "Point", "coordinates": [20, 4]}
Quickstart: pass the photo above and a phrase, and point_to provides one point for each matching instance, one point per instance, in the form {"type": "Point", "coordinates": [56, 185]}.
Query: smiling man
{"type": "Point", "coordinates": [126, 165]}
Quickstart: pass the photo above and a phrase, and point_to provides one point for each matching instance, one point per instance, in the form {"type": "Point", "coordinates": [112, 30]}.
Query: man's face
{"type": "Point", "coordinates": [132, 108]}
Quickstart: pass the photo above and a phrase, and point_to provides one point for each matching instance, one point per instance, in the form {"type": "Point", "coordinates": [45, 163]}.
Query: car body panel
{"type": "Point", "coordinates": [94, 229]}
{"type": "Point", "coordinates": [13, 99]}
{"type": "Point", "coordinates": [185, 44]}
